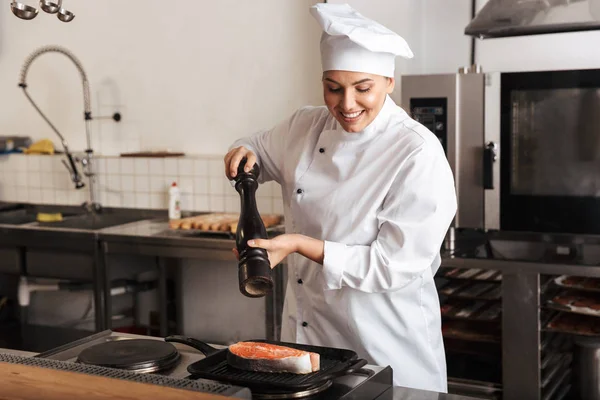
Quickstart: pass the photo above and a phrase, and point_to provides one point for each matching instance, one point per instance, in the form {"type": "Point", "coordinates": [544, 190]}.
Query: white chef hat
{"type": "Point", "coordinates": [351, 42]}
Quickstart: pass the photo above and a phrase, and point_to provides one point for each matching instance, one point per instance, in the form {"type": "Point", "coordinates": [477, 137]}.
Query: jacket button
{"type": "Point", "coordinates": [299, 191]}
{"type": "Point", "coordinates": [305, 324]}
{"type": "Point", "coordinates": [322, 150]}
{"type": "Point", "coordinates": [300, 282]}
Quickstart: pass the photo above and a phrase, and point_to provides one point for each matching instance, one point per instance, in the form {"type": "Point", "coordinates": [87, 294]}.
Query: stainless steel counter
{"type": "Point", "coordinates": [399, 393]}
{"type": "Point", "coordinates": [153, 237]}
{"type": "Point", "coordinates": [17, 352]}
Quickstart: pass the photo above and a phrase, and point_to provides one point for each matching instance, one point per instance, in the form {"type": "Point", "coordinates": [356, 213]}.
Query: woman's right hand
{"type": "Point", "coordinates": [233, 159]}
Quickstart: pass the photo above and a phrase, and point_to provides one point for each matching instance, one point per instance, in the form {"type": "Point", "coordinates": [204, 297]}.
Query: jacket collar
{"type": "Point", "coordinates": [377, 125]}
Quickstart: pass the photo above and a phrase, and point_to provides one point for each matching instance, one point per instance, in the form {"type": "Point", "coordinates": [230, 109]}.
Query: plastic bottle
{"type": "Point", "coordinates": [12, 144]}
{"type": "Point", "coordinates": [174, 202]}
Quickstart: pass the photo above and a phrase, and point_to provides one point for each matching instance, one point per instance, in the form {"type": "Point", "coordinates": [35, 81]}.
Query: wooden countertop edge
{"type": "Point", "coordinates": [21, 382]}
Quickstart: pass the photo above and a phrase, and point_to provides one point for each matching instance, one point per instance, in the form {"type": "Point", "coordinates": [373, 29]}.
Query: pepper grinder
{"type": "Point", "coordinates": [254, 268]}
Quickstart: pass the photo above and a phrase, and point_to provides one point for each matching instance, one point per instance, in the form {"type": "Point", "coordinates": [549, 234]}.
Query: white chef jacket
{"type": "Point", "coordinates": [382, 201]}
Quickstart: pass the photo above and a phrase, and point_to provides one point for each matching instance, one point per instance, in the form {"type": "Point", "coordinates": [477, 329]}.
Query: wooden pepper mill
{"type": "Point", "coordinates": [254, 268]}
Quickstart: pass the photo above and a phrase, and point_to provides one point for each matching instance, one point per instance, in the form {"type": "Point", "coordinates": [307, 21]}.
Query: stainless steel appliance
{"type": "Point", "coordinates": [587, 358]}
{"type": "Point", "coordinates": [368, 382]}
{"type": "Point", "coordinates": [524, 146]}
{"type": "Point", "coordinates": [501, 18]}
{"type": "Point", "coordinates": [454, 106]}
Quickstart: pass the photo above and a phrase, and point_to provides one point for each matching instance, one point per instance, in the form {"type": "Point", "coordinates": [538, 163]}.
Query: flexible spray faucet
{"type": "Point", "coordinates": [93, 205]}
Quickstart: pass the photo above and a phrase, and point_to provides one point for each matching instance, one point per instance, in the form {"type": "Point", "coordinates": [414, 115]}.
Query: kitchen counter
{"type": "Point", "coordinates": [399, 393]}
{"type": "Point", "coordinates": [152, 229]}
{"type": "Point", "coordinates": [395, 393]}
{"type": "Point", "coordinates": [17, 352]}
{"type": "Point", "coordinates": [166, 242]}
{"type": "Point", "coordinates": [37, 338]}
{"type": "Point", "coordinates": [154, 238]}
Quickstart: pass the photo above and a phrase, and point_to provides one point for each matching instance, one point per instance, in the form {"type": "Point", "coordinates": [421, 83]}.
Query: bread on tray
{"type": "Point", "coordinates": [219, 222]}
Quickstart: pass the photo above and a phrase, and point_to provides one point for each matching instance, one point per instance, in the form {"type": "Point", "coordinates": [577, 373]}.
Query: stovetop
{"type": "Point", "coordinates": [70, 351]}
{"type": "Point", "coordinates": [370, 382]}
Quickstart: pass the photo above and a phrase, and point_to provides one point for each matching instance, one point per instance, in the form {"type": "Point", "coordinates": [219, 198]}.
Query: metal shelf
{"type": "Point", "coordinates": [516, 267]}
{"type": "Point", "coordinates": [483, 390]}
{"type": "Point", "coordinates": [536, 361]}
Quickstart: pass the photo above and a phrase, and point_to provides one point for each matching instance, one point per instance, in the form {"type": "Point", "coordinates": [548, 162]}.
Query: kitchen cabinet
{"type": "Point", "coordinates": [10, 260]}
{"type": "Point", "coordinates": [66, 265]}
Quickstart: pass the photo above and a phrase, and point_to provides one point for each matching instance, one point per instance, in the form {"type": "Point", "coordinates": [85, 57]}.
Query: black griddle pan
{"type": "Point", "coordinates": [334, 363]}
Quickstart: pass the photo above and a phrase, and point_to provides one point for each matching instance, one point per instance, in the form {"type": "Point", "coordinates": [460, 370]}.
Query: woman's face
{"type": "Point", "coordinates": [355, 98]}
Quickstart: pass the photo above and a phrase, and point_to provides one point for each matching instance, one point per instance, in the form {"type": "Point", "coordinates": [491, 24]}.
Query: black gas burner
{"type": "Point", "coordinates": [137, 355]}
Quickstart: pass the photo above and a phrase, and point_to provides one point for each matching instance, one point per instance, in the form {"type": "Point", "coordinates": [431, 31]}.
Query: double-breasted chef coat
{"type": "Point", "coordinates": [382, 201]}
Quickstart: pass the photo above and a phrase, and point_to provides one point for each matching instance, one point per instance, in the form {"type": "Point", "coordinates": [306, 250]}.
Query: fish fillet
{"type": "Point", "coordinates": [263, 357]}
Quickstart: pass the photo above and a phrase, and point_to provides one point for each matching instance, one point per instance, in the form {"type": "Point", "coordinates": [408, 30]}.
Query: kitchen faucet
{"type": "Point", "coordinates": [93, 204]}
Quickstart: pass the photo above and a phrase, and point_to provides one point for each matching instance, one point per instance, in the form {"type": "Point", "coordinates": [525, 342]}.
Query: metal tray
{"type": "Point", "coordinates": [573, 296]}
{"type": "Point", "coordinates": [556, 342]}
{"type": "Point", "coordinates": [564, 378]}
{"type": "Point", "coordinates": [473, 274]}
{"type": "Point", "coordinates": [560, 281]}
{"type": "Point", "coordinates": [563, 362]}
{"type": "Point", "coordinates": [484, 390]}
{"type": "Point", "coordinates": [590, 319]}
{"type": "Point", "coordinates": [465, 330]}
{"type": "Point", "coordinates": [571, 309]}
{"type": "Point", "coordinates": [271, 231]}
{"type": "Point", "coordinates": [563, 392]}
{"type": "Point", "coordinates": [472, 310]}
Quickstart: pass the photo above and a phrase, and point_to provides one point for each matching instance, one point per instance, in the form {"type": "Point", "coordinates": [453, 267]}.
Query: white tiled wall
{"type": "Point", "coordinates": [130, 182]}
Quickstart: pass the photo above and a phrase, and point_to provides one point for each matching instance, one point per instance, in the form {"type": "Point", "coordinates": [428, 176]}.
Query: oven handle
{"type": "Point", "coordinates": [490, 156]}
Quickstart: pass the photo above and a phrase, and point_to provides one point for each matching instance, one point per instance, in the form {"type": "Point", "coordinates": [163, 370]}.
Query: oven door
{"type": "Point", "coordinates": [550, 140]}
{"type": "Point", "coordinates": [492, 151]}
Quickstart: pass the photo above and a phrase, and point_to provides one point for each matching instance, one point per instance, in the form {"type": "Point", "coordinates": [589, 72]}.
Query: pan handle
{"type": "Point", "coordinates": [195, 343]}
{"type": "Point", "coordinates": [358, 364]}
{"type": "Point", "coordinates": [344, 370]}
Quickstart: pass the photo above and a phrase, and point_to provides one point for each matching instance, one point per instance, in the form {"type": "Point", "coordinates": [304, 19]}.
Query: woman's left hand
{"type": "Point", "coordinates": [282, 246]}
{"type": "Point", "coordinates": [277, 248]}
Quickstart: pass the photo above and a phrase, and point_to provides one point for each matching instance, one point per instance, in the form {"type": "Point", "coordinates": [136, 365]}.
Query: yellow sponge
{"type": "Point", "coordinates": [43, 146]}
{"type": "Point", "coordinates": [46, 217]}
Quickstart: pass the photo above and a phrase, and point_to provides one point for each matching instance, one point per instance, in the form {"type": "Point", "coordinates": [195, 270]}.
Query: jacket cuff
{"type": "Point", "coordinates": [333, 264]}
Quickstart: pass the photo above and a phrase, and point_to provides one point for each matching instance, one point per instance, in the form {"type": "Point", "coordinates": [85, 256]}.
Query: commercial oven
{"type": "Point", "coordinates": [524, 146]}
{"type": "Point", "coordinates": [525, 151]}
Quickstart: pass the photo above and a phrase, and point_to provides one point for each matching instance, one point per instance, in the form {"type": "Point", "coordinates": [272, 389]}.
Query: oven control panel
{"type": "Point", "coordinates": [433, 114]}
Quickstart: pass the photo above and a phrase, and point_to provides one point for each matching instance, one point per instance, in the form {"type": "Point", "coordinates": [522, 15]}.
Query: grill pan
{"type": "Point", "coordinates": [334, 363]}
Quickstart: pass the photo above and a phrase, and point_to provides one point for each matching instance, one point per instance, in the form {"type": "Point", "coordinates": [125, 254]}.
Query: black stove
{"type": "Point", "coordinates": [154, 357]}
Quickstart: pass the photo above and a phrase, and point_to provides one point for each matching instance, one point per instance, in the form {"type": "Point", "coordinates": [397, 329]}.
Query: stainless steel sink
{"type": "Point", "coordinates": [23, 216]}
{"type": "Point", "coordinates": [72, 217]}
{"type": "Point", "coordinates": [9, 206]}
{"type": "Point", "coordinates": [92, 221]}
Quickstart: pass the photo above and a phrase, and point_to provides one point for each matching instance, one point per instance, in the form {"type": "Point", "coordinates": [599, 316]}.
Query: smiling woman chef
{"type": "Point", "coordinates": [368, 197]}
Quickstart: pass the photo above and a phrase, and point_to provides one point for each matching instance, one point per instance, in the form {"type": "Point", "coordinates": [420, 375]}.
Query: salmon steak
{"type": "Point", "coordinates": [264, 357]}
